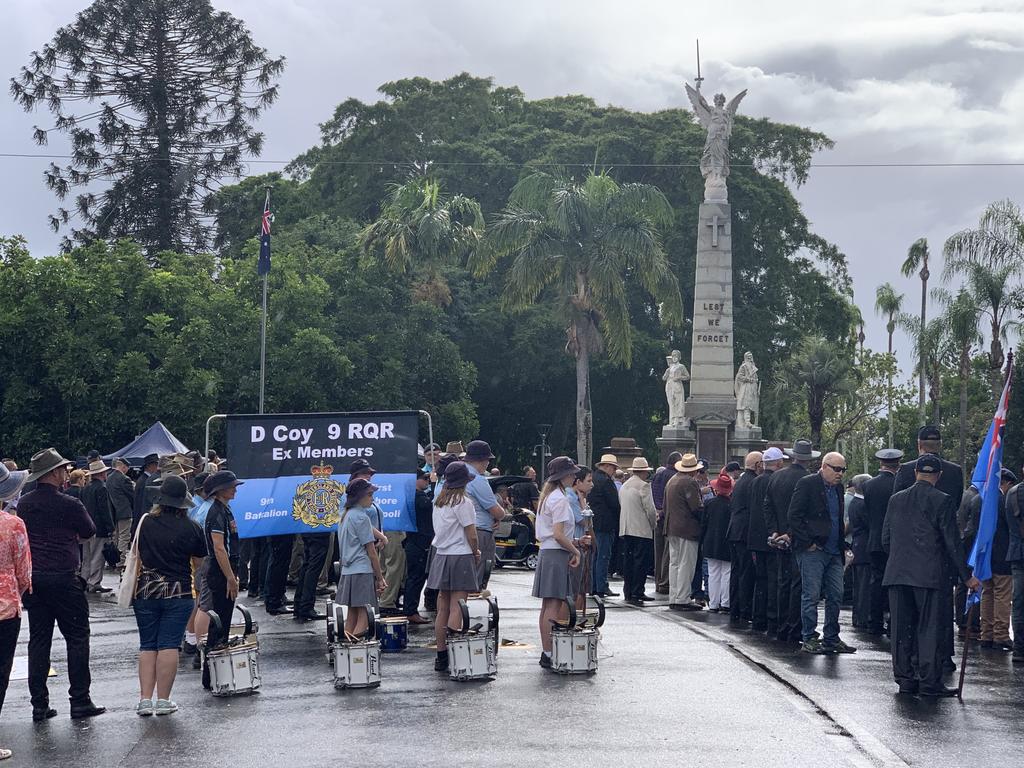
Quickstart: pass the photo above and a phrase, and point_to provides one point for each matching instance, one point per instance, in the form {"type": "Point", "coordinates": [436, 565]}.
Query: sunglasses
{"type": "Point", "coordinates": [834, 468]}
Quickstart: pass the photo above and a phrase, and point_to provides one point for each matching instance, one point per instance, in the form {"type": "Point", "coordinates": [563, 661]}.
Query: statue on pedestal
{"type": "Point", "coordinates": [748, 393]}
{"type": "Point", "coordinates": [717, 121]}
{"type": "Point", "coordinates": [675, 376]}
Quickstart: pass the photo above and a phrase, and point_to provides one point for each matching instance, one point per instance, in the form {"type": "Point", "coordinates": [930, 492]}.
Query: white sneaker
{"type": "Point", "coordinates": [164, 707]}
{"type": "Point", "coordinates": [145, 708]}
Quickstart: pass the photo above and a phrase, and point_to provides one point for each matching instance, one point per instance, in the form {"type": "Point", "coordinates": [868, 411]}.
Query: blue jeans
{"type": "Point", "coordinates": [162, 621]}
{"type": "Point", "coordinates": [820, 572]}
{"type": "Point", "coordinates": [604, 541]}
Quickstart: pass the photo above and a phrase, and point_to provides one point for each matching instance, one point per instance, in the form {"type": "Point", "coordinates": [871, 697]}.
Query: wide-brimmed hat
{"type": "Point", "coordinates": [608, 458]}
{"type": "Point", "coordinates": [98, 467]}
{"type": "Point", "coordinates": [456, 475]}
{"type": "Point", "coordinates": [359, 488]}
{"type": "Point", "coordinates": [802, 449]}
{"type": "Point", "coordinates": [639, 465]}
{"type": "Point", "coordinates": [478, 450]}
{"type": "Point", "coordinates": [174, 493]}
{"type": "Point", "coordinates": [361, 467]}
{"type": "Point", "coordinates": [11, 482]}
{"type": "Point", "coordinates": [218, 481]}
{"type": "Point", "coordinates": [45, 462]}
{"type": "Point", "coordinates": [560, 468]}
{"type": "Point", "coordinates": [689, 464]}
{"type": "Point", "coordinates": [722, 485]}
{"type": "Point", "coordinates": [455, 447]}
{"type": "Point", "coordinates": [151, 458]}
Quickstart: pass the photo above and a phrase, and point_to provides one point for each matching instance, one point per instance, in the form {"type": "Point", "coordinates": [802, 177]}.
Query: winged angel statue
{"type": "Point", "coordinates": [717, 121]}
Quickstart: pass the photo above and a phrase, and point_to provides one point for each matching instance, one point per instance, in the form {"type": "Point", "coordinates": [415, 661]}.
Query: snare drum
{"type": "Point", "coordinates": [574, 644]}
{"type": "Point", "coordinates": [234, 669]}
{"type": "Point", "coordinates": [356, 665]}
{"type": "Point", "coordinates": [472, 657]}
{"type": "Point", "coordinates": [393, 634]}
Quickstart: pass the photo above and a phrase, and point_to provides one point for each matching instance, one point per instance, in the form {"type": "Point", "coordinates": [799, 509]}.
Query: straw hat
{"type": "Point", "coordinates": [98, 467]}
{"type": "Point", "coordinates": [640, 465]}
{"type": "Point", "coordinates": [609, 458]}
{"type": "Point", "coordinates": [689, 463]}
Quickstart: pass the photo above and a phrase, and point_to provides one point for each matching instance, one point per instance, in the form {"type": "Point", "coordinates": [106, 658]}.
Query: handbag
{"type": "Point", "coordinates": [130, 576]}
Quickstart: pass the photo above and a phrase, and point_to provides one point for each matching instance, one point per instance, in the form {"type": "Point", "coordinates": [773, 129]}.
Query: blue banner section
{"type": "Point", "coordinates": [271, 506]}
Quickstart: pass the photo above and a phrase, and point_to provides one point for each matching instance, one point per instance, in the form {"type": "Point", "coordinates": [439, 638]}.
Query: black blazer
{"type": "Point", "coordinates": [716, 525]}
{"type": "Point", "coordinates": [780, 494]}
{"type": "Point", "coordinates": [809, 520]}
{"type": "Point", "coordinates": [950, 483]}
{"type": "Point", "coordinates": [877, 491]}
{"type": "Point", "coordinates": [739, 507]}
{"type": "Point", "coordinates": [604, 502]}
{"type": "Point", "coordinates": [921, 538]}
{"type": "Point", "coordinates": [859, 531]}
{"type": "Point", "coordinates": [757, 529]}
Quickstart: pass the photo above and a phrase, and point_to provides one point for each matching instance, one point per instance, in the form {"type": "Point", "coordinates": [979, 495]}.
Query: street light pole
{"type": "Point", "coordinates": [543, 429]}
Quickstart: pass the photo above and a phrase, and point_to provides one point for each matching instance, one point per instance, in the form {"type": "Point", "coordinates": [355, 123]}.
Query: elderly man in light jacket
{"type": "Point", "coordinates": [636, 528]}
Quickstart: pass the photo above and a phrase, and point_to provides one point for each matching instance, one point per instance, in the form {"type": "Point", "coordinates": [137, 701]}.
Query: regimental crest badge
{"type": "Point", "coordinates": [317, 502]}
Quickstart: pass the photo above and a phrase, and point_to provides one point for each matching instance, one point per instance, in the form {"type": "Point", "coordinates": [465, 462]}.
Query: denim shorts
{"type": "Point", "coordinates": [162, 622]}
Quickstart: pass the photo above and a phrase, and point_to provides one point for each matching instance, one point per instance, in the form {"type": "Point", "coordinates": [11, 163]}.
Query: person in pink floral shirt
{"type": "Point", "coordinates": [15, 578]}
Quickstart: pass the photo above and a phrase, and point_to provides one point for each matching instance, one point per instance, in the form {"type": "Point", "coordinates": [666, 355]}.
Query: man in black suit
{"type": "Point", "coordinates": [951, 483]}
{"type": "Point", "coordinates": [816, 533]}
{"type": "Point", "coordinates": [776, 513]}
{"type": "Point", "coordinates": [921, 538]}
{"type": "Point", "coordinates": [766, 575]}
{"type": "Point", "coordinates": [149, 467]}
{"type": "Point", "coordinates": [741, 576]}
{"type": "Point", "coordinates": [877, 491]}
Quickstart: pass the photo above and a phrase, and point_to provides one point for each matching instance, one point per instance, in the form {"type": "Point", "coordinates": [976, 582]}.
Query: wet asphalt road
{"type": "Point", "coordinates": [671, 689]}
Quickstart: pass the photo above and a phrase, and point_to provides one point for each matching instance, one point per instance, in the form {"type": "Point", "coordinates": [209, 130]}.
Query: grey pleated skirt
{"type": "Point", "coordinates": [356, 590]}
{"type": "Point", "coordinates": [552, 577]}
{"type": "Point", "coordinates": [453, 573]}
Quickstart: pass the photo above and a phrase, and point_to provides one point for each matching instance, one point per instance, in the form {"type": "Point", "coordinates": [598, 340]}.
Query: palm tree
{"type": "Point", "coordinates": [961, 320]}
{"type": "Point", "coordinates": [928, 349]}
{"type": "Point", "coordinates": [989, 259]}
{"type": "Point", "coordinates": [917, 259]}
{"type": "Point", "coordinates": [821, 372]}
{"type": "Point", "coordinates": [889, 303]}
{"type": "Point", "coordinates": [585, 242]}
{"type": "Point", "coordinates": [422, 230]}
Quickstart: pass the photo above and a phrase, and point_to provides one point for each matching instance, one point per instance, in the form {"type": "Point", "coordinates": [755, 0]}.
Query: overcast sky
{"type": "Point", "coordinates": [936, 81]}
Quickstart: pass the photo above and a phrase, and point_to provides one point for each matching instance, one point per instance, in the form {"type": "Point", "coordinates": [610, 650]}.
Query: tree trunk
{"type": "Point", "coordinates": [965, 367]}
{"type": "Point", "coordinates": [920, 351]}
{"type": "Point", "coordinates": [995, 361]}
{"type": "Point", "coordinates": [584, 418]}
{"type": "Point", "coordinates": [816, 417]}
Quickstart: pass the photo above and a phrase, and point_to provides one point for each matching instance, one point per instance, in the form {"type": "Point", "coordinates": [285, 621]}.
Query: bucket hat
{"type": "Point", "coordinates": [478, 450]}
{"type": "Point", "coordinates": [359, 488]}
{"type": "Point", "coordinates": [688, 464]}
{"type": "Point", "coordinates": [174, 493]}
{"type": "Point", "coordinates": [560, 468]}
{"type": "Point", "coordinates": [456, 475]}
{"type": "Point", "coordinates": [45, 462]}
{"type": "Point", "coordinates": [722, 485]}
{"type": "Point", "coordinates": [218, 481]}
{"type": "Point", "coordinates": [802, 449]}
{"type": "Point", "coordinates": [11, 482]}
{"type": "Point", "coordinates": [360, 467]}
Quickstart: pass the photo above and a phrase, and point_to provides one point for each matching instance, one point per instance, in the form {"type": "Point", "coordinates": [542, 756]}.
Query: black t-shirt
{"type": "Point", "coordinates": [167, 543]}
{"type": "Point", "coordinates": [220, 520]}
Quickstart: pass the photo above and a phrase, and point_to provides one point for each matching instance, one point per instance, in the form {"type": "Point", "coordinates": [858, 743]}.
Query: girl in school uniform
{"type": "Point", "coordinates": [555, 524]}
{"type": "Point", "coordinates": [577, 495]}
{"type": "Point", "coordinates": [361, 577]}
{"type": "Point", "coordinates": [454, 566]}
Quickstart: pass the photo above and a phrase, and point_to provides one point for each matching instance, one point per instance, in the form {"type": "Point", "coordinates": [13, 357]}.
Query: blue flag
{"type": "Point", "coordinates": [263, 265]}
{"type": "Point", "coordinates": [986, 480]}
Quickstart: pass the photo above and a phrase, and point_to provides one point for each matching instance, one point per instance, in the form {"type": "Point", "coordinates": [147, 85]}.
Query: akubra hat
{"type": "Point", "coordinates": [45, 462]}
{"type": "Point", "coordinates": [608, 458]}
{"type": "Point", "coordinates": [639, 465]}
{"type": "Point", "coordinates": [11, 482]}
{"type": "Point", "coordinates": [478, 450]}
{"type": "Point", "coordinates": [560, 468]}
{"type": "Point", "coordinates": [218, 481]}
{"type": "Point", "coordinates": [802, 449]}
{"type": "Point", "coordinates": [455, 447]}
{"type": "Point", "coordinates": [174, 493]}
{"type": "Point", "coordinates": [688, 464]}
{"type": "Point", "coordinates": [98, 467]}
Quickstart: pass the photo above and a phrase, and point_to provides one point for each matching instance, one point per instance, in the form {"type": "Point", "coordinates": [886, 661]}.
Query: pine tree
{"type": "Point", "coordinates": [158, 100]}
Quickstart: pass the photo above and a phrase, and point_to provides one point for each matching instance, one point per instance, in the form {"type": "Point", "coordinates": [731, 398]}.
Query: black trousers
{"type": "Point", "coordinates": [9, 629]}
{"type": "Point", "coordinates": [58, 598]}
{"type": "Point", "coordinates": [741, 582]}
{"type": "Point", "coordinates": [277, 570]}
{"type": "Point", "coordinates": [879, 594]}
{"type": "Point", "coordinates": [314, 555]}
{"type": "Point", "coordinates": [637, 554]}
{"type": "Point", "coordinates": [697, 584]}
{"type": "Point", "coordinates": [765, 612]}
{"type": "Point", "coordinates": [946, 625]}
{"type": "Point", "coordinates": [861, 595]}
{"type": "Point", "coordinates": [789, 591]}
{"type": "Point", "coordinates": [252, 563]}
{"type": "Point", "coordinates": [223, 605]}
{"type": "Point", "coordinates": [416, 555]}
{"type": "Point", "coordinates": [916, 653]}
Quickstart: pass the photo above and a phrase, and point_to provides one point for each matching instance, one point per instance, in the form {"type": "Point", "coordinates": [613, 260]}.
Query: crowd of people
{"type": "Point", "coordinates": [764, 542]}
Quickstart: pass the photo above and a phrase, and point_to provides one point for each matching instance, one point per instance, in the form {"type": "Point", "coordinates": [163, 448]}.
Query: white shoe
{"type": "Point", "coordinates": [164, 707]}
{"type": "Point", "coordinates": [145, 708]}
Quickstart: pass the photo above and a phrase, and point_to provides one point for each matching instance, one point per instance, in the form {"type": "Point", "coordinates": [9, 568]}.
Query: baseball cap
{"type": "Point", "coordinates": [928, 464]}
{"type": "Point", "coordinates": [773, 454]}
{"type": "Point", "coordinates": [929, 432]}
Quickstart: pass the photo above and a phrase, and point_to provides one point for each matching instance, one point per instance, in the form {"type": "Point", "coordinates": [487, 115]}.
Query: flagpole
{"type": "Point", "coordinates": [263, 327]}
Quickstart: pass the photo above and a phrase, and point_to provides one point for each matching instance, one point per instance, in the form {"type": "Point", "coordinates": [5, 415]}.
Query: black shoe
{"type": "Point", "coordinates": [188, 648]}
{"type": "Point", "coordinates": [102, 590]}
{"type": "Point", "coordinates": [252, 594]}
{"type": "Point", "coordinates": [545, 661]}
{"type": "Point", "coordinates": [441, 664]}
{"type": "Point", "coordinates": [314, 616]}
{"type": "Point", "coordinates": [840, 647]}
{"type": "Point", "coordinates": [44, 713]}
{"type": "Point", "coordinates": [197, 661]}
{"type": "Point", "coordinates": [322, 591]}
{"type": "Point", "coordinates": [279, 611]}
{"type": "Point", "coordinates": [1005, 645]}
{"type": "Point", "coordinates": [291, 583]}
{"type": "Point", "coordinates": [939, 693]}
{"type": "Point", "coordinates": [243, 586]}
{"type": "Point", "coordinates": [635, 601]}
{"type": "Point", "coordinates": [986, 644]}
{"type": "Point", "coordinates": [609, 593]}
{"type": "Point", "coordinates": [948, 665]}
{"type": "Point", "coordinates": [86, 709]}
{"type": "Point", "coordinates": [647, 598]}
{"type": "Point", "coordinates": [910, 689]}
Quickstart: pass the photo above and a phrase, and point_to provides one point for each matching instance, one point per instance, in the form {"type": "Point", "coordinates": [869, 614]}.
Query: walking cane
{"type": "Point", "coordinates": [971, 608]}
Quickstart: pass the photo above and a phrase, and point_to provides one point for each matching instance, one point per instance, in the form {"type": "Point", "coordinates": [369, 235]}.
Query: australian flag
{"type": "Point", "coordinates": [986, 480]}
{"type": "Point", "coordinates": [263, 265]}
